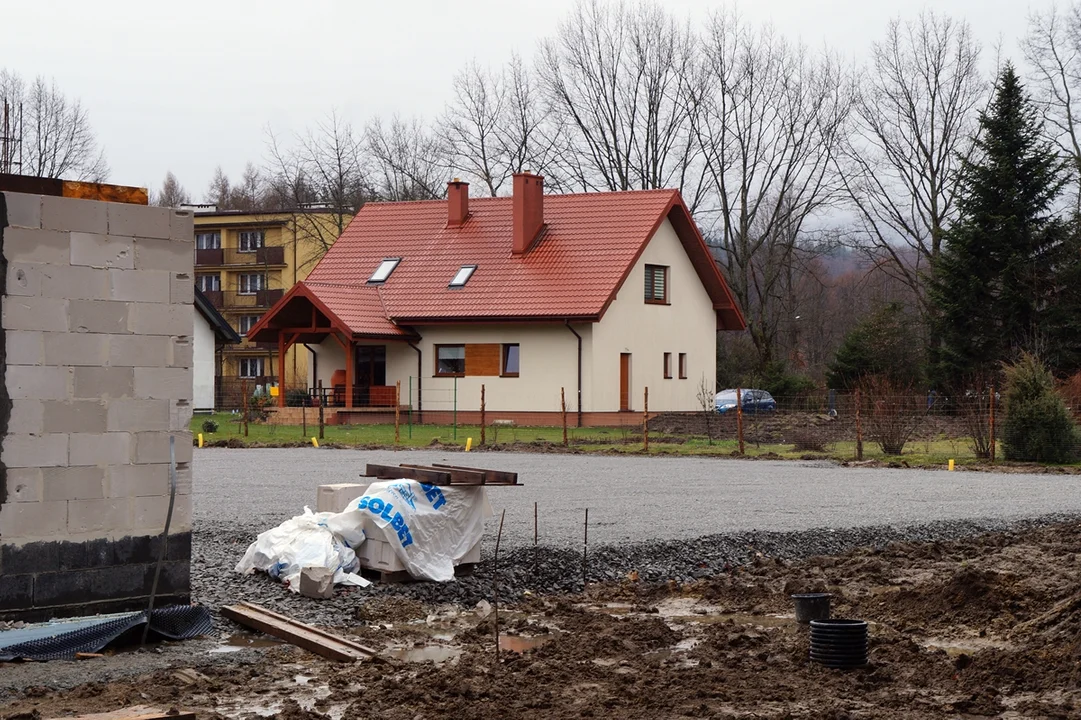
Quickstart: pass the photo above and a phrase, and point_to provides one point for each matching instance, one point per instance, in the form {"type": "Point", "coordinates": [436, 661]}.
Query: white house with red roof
{"type": "Point", "coordinates": [600, 295]}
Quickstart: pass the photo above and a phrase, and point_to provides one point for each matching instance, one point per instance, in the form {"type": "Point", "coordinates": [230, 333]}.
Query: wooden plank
{"type": "Point", "coordinates": [390, 472]}
{"type": "Point", "coordinates": [458, 476]}
{"type": "Point", "coordinates": [310, 638]}
{"type": "Point", "coordinates": [137, 712]}
{"type": "Point", "coordinates": [491, 477]}
{"type": "Point", "coordinates": [108, 193]}
{"type": "Point", "coordinates": [482, 359]}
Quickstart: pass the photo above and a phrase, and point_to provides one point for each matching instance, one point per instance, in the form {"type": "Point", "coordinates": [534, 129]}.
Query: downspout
{"type": "Point", "coordinates": [314, 357]}
{"type": "Point", "coordinates": [420, 371]}
{"type": "Point", "coordinates": [568, 324]}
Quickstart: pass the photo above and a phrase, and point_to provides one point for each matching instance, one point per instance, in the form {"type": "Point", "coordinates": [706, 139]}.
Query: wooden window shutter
{"type": "Point", "coordinates": [482, 359]}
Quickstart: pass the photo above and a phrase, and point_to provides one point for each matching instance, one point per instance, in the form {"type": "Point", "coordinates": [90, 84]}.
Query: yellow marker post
{"type": "Point", "coordinates": [200, 439]}
{"type": "Point", "coordinates": [315, 442]}
{"type": "Point", "coordinates": [951, 465]}
{"type": "Point", "coordinates": [468, 444]}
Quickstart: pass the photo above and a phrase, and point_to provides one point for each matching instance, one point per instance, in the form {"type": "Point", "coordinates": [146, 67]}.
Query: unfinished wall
{"type": "Point", "coordinates": [97, 351]}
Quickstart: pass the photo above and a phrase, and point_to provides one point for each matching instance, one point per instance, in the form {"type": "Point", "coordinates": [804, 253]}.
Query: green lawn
{"type": "Point", "coordinates": [607, 440]}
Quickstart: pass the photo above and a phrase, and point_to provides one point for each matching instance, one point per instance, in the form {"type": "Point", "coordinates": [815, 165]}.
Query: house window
{"type": "Point", "coordinates": [384, 270]}
{"type": "Point", "coordinates": [668, 366]}
{"type": "Point", "coordinates": [450, 360]}
{"type": "Point", "coordinates": [657, 284]}
{"type": "Point", "coordinates": [208, 283]}
{"type": "Point", "coordinates": [511, 357]}
{"type": "Point", "coordinates": [251, 283]}
{"type": "Point", "coordinates": [208, 240]}
{"type": "Point", "coordinates": [247, 322]}
{"type": "Point", "coordinates": [462, 276]}
{"type": "Point", "coordinates": [683, 366]}
{"type": "Point", "coordinates": [251, 367]}
{"type": "Point", "coordinates": [250, 240]}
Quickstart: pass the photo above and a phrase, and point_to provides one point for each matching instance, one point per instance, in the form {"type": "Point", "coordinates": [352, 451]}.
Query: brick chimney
{"type": "Point", "coordinates": [457, 202]}
{"type": "Point", "coordinates": [528, 218]}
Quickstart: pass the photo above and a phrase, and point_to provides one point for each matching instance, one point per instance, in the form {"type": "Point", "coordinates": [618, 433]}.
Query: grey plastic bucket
{"type": "Point", "coordinates": [839, 643]}
{"type": "Point", "coordinates": [812, 606]}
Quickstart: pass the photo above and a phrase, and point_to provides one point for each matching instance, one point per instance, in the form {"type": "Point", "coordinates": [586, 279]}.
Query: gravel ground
{"type": "Point", "coordinates": [666, 518]}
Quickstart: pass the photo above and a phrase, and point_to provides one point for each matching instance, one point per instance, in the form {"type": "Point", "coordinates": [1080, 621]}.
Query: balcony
{"type": "Point", "coordinates": [263, 257]}
{"type": "Point", "coordinates": [233, 300]}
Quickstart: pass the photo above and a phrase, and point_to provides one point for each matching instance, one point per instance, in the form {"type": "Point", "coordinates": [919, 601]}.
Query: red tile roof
{"type": "Point", "coordinates": [589, 244]}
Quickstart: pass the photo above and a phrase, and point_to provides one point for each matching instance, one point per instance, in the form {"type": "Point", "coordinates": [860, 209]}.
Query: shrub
{"type": "Point", "coordinates": [1038, 425]}
{"type": "Point", "coordinates": [210, 426]}
{"type": "Point", "coordinates": [894, 413]}
{"type": "Point", "coordinates": [808, 440]}
{"type": "Point", "coordinates": [297, 398]}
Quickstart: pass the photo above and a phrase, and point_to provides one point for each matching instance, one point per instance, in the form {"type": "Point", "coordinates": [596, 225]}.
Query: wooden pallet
{"type": "Point", "coordinates": [139, 712]}
{"type": "Point", "coordinates": [442, 475]}
{"type": "Point", "coordinates": [297, 633]}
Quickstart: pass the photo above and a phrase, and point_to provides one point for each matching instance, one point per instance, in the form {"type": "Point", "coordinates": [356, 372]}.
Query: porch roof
{"type": "Point", "coordinates": [313, 310]}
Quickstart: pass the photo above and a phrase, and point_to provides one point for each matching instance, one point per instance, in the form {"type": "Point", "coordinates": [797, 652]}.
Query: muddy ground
{"type": "Point", "coordinates": [984, 627]}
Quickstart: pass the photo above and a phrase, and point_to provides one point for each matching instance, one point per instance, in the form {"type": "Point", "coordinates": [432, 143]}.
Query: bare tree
{"type": "Point", "coordinates": [770, 119]}
{"type": "Point", "coordinates": [707, 400]}
{"type": "Point", "coordinates": [219, 190]}
{"type": "Point", "coordinates": [616, 79]}
{"type": "Point", "coordinates": [172, 193]}
{"type": "Point", "coordinates": [406, 160]}
{"type": "Point", "coordinates": [1053, 51]}
{"type": "Point", "coordinates": [916, 108]}
{"type": "Point", "coordinates": [50, 134]}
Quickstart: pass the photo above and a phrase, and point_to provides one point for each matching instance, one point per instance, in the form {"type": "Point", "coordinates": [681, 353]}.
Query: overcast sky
{"type": "Point", "coordinates": [188, 86]}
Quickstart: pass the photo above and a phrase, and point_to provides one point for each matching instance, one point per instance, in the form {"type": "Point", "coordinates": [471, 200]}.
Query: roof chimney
{"type": "Point", "coordinates": [457, 202]}
{"type": "Point", "coordinates": [528, 217]}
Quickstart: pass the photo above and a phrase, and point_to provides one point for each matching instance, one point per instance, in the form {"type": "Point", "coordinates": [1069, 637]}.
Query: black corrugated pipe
{"type": "Point", "coordinates": [420, 371]}
{"type": "Point", "coordinates": [568, 324]}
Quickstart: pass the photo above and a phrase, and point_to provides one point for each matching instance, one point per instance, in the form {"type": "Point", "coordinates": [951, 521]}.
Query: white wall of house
{"type": "Point", "coordinates": [330, 356]}
{"type": "Point", "coordinates": [203, 344]}
{"type": "Point", "coordinates": [686, 325]}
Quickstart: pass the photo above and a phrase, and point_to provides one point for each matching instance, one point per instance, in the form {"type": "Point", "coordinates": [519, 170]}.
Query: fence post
{"type": "Point", "coordinates": [410, 407]}
{"type": "Point", "coordinates": [303, 421]}
{"type": "Point", "coordinates": [456, 407]}
{"type": "Point", "coordinates": [322, 403]}
{"type": "Point", "coordinates": [739, 419]}
{"type": "Point", "coordinates": [992, 424]}
{"type": "Point", "coordinates": [645, 422]}
{"type": "Point", "coordinates": [563, 412]}
{"type": "Point", "coordinates": [859, 428]}
{"type": "Point", "coordinates": [244, 400]}
{"type": "Point", "coordinates": [482, 423]}
{"type": "Point", "coordinates": [397, 411]}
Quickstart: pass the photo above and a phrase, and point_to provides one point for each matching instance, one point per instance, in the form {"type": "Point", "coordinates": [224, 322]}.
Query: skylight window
{"type": "Point", "coordinates": [463, 275]}
{"type": "Point", "coordinates": [384, 270]}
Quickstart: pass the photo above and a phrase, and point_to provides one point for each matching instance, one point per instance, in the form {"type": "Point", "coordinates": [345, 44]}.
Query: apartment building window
{"type": "Point", "coordinates": [208, 240]}
{"type": "Point", "coordinates": [250, 240]}
{"type": "Point", "coordinates": [511, 359]}
{"type": "Point", "coordinates": [208, 283]}
{"type": "Point", "coordinates": [668, 366]}
{"type": "Point", "coordinates": [247, 322]}
{"type": "Point", "coordinates": [657, 284]}
{"type": "Point", "coordinates": [251, 367]}
{"type": "Point", "coordinates": [683, 366]}
{"type": "Point", "coordinates": [450, 360]}
{"type": "Point", "coordinates": [251, 283]}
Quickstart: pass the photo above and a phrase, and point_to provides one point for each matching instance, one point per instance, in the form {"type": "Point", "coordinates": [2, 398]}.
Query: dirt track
{"type": "Point", "coordinates": [974, 628]}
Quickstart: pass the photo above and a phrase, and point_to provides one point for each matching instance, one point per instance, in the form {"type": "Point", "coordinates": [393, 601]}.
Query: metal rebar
{"type": "Point", "coordinates": [164, 536]}
{"type": "Point", "coordinates": [495, 582]}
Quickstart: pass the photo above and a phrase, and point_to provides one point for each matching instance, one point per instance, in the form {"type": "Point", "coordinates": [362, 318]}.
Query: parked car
{"type": "Point", "coordinates": [753, 401]}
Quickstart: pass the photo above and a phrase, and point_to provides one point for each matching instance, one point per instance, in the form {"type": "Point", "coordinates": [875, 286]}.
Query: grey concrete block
{"type": "Point", "coordinates": [182, 352]}
{"type": "Point", "coordinates": [317, 583]}
{"type": "Point", "coordinates": [138, 480]}
{"type": "Point", "coordinates": [148, 513]}
{"type": "Point", "coordinates": [139, 220]}
{"type": "Point", "coordinates": [73, 483]}
{"type": "Point", "coordinates": [39, 382]}
{"type": "Point", "coordinates": [105, 316]}
{"type": "Point", "coordinates": [171, 255]}
{"type": "Point", "coordinates": [100, 515]}
{"type": "Point", "coordinates": [180, 415]}
{"type": "Point", "coordinates": [182, 225]}
{"type": "Point", "coordinates": [183, 478]}
{"type": "Point", "coordinates": [24, 279]}
{"type": "Point", "coordinates": [163, 383]}
{"type": "Point", "coordinates": [79, 416]}
{"type": "Point", "coordinates": [76, 349]}
{"type": "Point", "coordinates": [140, 350]}
{"type": "Point", "coordinates": [22, 451]}
{"type": "Point", "coordinates": [24, 484]}
{"type": "Point", "coordinates": [25, 347]}
{"type": "Point", "coordinates": [150, 286]}
{"type": "Point", "coordinates": [133, 415]}
{"type": "Point", "coordinates": [36, 313]}
{"type": "Point", "coordinates": [44, 246]}
{"type": "Point", "coordinates": [182, 289]}
{"type": "Point", "coordinates": [153, 447]}
{"type": "Point", "coordinates": [28, 520]}
{"type": "Point", "coordinates": [27, 417]}
{"type": "Point", "coordinates": [100, 448]}
{"type": "Point", "coordinates": [72, 282]}
{"type": "Point", "coordinates": [60, 213]}
{"type": "Point", "coordinates": [156, 319]}
{"type": "Point", "coordinates": [102, 251]}
{"type": "Point", "coordinates": [103, 382]}
{"type": "Point", "coordinates": [23, 210]}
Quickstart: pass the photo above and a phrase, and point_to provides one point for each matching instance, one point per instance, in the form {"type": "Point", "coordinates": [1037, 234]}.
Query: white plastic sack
{"type": "Point", "coordinates": [428, 526]}
{"type": "Point", "coordinates": [323, 540]}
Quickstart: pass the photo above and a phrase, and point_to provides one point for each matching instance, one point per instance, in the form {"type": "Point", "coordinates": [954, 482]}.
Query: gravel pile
{"type": "Point", "coordinates": [218, 546]}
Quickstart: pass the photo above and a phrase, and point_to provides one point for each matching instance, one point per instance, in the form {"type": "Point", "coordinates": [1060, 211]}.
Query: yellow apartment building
{"type": "Point", "coordinates": [244, 263]}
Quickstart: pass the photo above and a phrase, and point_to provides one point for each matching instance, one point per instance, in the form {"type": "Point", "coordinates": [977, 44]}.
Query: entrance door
{"type": "Point", "coordinates": [371, 372]}
{"type": "Point", "coordinates": [624, 381]}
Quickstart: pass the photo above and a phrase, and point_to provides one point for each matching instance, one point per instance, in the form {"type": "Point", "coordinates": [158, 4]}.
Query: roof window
{"type": "Point", "coordinates": [384, 270]}
{"type": "Point", "coordinates": [463, 275]}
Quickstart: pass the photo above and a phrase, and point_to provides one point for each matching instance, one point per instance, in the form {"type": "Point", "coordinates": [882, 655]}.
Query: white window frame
{"type": "Point", "coordinates": [250, 363]}
{"type": "Point", "coordinates": [214, 237]}
{"type": "Point", "coordinates": [245, 237]}
{"type": "Point", "coordinates": [462, 276]}
{"type": "Point", "coordinates": [241, 322]}
{"type": "Point", "coordinates": [386, 267]}
{"type": "Point", "coordinates": [199, 281]}
{"type": "Point", "coordinates": [242, 281]}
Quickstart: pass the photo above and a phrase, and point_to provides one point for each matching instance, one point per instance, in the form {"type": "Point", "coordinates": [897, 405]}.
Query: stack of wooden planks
{"type": "Point", "coordinates": [442, 475]}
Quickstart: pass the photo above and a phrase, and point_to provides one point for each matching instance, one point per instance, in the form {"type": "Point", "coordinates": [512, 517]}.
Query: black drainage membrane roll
{"type": "Point", "coordinates": [839, 643]}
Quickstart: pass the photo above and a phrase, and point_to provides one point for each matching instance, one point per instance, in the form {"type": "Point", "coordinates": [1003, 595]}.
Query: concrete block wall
{"type": "Point", "coordinates": [96, 346]}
